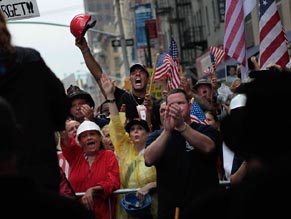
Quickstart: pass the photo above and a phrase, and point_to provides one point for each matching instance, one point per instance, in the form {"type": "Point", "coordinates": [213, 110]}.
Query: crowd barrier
{"type": "Point", "coordinates": [223, 183]}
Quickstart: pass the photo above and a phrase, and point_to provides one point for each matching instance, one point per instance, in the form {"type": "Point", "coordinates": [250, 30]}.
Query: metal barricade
{"type": "Point", "coordinates": [116, 192]}
{"type": "Point", "coordinates": [226, 184]}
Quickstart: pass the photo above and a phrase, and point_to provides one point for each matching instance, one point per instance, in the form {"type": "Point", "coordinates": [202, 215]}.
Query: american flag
{"type": "Point", "coordinates": [212, 60]}
{"type": "Point", "coordinates": [168, 66]}
{"type": "Point", "coordinates": [208, 71]}
{"type": "Point", "coordinates": [273, 46]}
{"type": "Point", "coordinates": [216, 56]}
{"type": "Point", "coordinates": [173, 49]}
{"type": "Point", "coordinates": [197, 114]}
{"type": "Point", "coordinates": [162, 67]}
{"type": "Point", "coordinates": [234, 28]}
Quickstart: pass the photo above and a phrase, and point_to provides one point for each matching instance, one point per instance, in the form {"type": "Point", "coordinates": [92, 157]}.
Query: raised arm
{"type": "Point", "coordinates": [108, 87]}
{"type": "Point", "coordinates": [91, 63]}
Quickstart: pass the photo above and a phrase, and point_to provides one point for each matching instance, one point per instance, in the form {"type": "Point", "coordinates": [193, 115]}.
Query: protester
{"type": "Point", "coordinates": [201, 94]}
{"type": "Point", "coordinates": [72, 127]}
{"type": "Point", "coordinates": [162, 110]}
{"type": "Point", "coordinates": [104, 109]}
{"type": "Point", "coordinates": [129, 143]}
{"type": "Point", "coordinates": [231, 74]}
{"type": "Point", "coordinates": [185, 156]}
{"type": "Point", "coordinates": [106, 140]}
{"type": "Point", "coordinates": [262, 191]}
{"type": "Point", "coordinates": [33, 200]}
{"type": "Point", "coordinates": [232, 161]}
{"type": "Point", "coordinates": [93, 169]}
{"type": "Point", "coordinates": [138, 97]}
{"type": "Point", "coordinates": [212, 119]}
{"type": "Point", "coordinates": [82, 106]}
{"type": "Point", "coordinates": [40, 104]}
{"type": "Point", "coordinates": [203, 88]}
{"type": "Point", "coordinates": [235, 84]}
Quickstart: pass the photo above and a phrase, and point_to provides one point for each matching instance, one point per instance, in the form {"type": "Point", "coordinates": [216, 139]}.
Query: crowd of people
{"type": "Point", "coordinates": [140, 142]}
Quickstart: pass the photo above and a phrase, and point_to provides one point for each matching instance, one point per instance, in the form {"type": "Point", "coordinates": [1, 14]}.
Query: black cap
{"type": "Point", "coordinates": [74, 92]}
{"type": "Point", "coordinates": [140, 66]}
{"type": "Point", "coordinates": [137, 121]}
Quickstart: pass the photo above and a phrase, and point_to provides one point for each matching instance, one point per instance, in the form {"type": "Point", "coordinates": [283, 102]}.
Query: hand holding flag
{"type": "Point", "coordinates": [216, 56]}
{"type": "Point", "coordinates": [168, 66]}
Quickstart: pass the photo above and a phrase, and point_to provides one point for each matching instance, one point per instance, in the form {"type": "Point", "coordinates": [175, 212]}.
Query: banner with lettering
{"type": "Point", "coordinates": [19, 9]}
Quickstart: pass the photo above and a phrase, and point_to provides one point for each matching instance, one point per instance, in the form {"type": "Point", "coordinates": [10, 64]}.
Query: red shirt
{"type": "Point", "coordinates": [104, 171]}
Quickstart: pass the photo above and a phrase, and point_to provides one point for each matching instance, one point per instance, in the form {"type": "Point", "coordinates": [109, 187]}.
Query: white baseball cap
{"type": "Point", "coordinates": [87, 126]}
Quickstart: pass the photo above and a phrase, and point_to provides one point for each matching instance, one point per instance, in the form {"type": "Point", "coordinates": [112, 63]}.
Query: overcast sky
{"type": "Point", "coordinates": [56, 44]}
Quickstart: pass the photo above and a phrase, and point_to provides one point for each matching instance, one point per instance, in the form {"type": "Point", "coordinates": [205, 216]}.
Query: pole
{"type": "Point", "coordinates": [113, 35]}
{"type": "Point", "coordinates": [149, 46]}
{"type": "Point", "coordinates": [177, 213]}
{"type": "Point", "coordinates": [122, 40]}
{"type": "Point", "coordinates": [153, 73]}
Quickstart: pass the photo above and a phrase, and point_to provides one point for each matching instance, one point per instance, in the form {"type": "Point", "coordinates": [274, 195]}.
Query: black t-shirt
{"type": "Point", "coordinates": [131, 101]}
{"type": "Point", "coordinates": [183, 172]}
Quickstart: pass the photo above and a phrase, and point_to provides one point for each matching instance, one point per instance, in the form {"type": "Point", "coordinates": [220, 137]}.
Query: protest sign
{"type": "Point", "coordinates": [19, 9]}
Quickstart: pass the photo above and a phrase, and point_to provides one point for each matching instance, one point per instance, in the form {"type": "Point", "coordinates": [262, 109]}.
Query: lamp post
{"type": "Point", "coordinates": [122, 39]}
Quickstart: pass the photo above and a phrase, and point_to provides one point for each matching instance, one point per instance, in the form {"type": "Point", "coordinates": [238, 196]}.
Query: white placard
{"type": "Point", "coordinates": [19, 9]}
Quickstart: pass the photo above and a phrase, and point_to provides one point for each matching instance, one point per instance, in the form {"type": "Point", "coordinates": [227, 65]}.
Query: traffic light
{"type": "Point", "coordinates": [127, 84]}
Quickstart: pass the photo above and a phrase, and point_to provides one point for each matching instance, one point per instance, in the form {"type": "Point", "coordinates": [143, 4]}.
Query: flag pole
{"type": "Point", "coordinates": [213, 65]}
{"type": "Point", "coordinates": [153, 73]}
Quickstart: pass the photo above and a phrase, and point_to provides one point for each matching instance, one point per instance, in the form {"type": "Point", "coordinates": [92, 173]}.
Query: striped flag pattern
{"type": "Point", "coordinates": [163, 65]}
{"type": "Point", "coordinates": [168, 66]}
{"type": "Point", "coordinates": [197, 114]}
{"type": "Point", "coordinates": [273, 46]}
{"type": "Point", "coordinates": [216, 56]}
{"type": "Point", "coordinates": [175, 78]}
{"type": "Point", "coordinates": [212, 60]}
{"type": "Point", "coordinates": [234, 28]}
{"type": "Point", "coordinates": [208, 71]}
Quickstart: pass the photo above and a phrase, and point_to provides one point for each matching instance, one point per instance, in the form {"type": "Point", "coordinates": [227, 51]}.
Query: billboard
{"type": "Point", "coordinates": [142, 13]}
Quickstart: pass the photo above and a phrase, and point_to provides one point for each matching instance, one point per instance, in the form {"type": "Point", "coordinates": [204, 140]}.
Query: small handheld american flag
{"type": "Point", "coordinates": [168, 66]}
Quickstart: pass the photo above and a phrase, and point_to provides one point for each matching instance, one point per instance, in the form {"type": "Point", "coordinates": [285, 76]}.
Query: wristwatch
{"type": "Point", "coordinates": [110, 101]}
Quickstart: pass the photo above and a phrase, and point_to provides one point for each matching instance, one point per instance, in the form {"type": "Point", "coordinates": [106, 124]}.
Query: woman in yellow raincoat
{"type": "Point", "coordinates": [129, 142]}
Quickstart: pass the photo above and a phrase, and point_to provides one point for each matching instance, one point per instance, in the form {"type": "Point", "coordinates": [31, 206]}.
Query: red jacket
{"type": "Point", "coordinates": [104, 172]}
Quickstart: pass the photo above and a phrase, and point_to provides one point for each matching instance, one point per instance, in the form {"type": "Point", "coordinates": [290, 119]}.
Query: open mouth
{"type": "Point", "coordinates": [90, 143]}
{"type": "Point", "coordinates": [138, 81]}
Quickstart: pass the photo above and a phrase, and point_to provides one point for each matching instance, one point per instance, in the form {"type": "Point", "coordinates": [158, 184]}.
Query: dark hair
{"type": "Point", "coordinates": [213, 113]}
{"type": "Point", "coordinates": [102, 105]}
{"type": "Point", "coordinates": [157, 109]}
{"type": "Point", "coordinates": [5, 36]}
{"type": "Point", "coordinates": [176, 91]}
